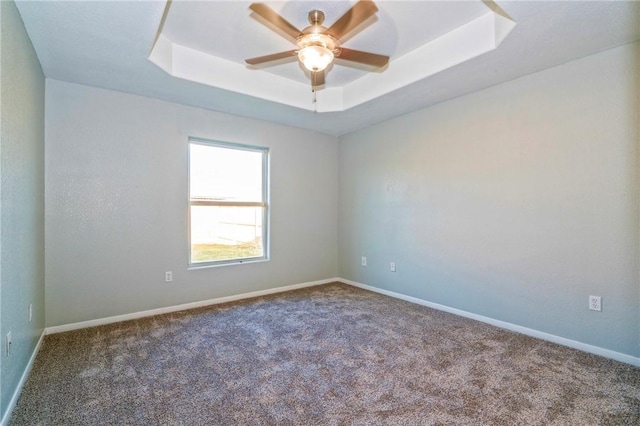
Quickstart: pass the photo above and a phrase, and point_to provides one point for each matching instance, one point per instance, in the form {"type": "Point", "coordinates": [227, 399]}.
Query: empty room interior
{"type": "Point", "coordinates": [320, 212]}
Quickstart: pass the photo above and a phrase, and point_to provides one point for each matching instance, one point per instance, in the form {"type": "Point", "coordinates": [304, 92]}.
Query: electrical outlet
{"type": "Point", "coordinates": [392, 267]}
{"type": "Point", "coordinates": [595, 303]}
{"type": "Point", "coordinates": [30, 311]}
{"type": "Point", "coordinates": [363, 261]}
{"type": "Point", "coordinates": [168, 277]}
{"type": "Point", "coordinates": [8, 343]}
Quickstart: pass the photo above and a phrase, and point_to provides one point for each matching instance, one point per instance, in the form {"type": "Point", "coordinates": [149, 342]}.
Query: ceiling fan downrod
{"type": "Point", "coordinates": [316, 17]}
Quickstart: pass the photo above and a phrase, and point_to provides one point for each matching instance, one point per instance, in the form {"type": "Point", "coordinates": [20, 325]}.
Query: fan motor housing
{"type": "Point", "coordinates": [316, 34]}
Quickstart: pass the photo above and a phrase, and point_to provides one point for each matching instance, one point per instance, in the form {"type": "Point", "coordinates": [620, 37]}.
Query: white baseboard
{"type": "Point", "coordinates": [628, 359]}
{"type": "Point", "coordinates": [635, 361]}
{"type": "Point", "coordinates": [23, 379]}
{"type": "Point", "coordinates": [182, 307]}
{"type": "Point", "coordinates": [498, 323]}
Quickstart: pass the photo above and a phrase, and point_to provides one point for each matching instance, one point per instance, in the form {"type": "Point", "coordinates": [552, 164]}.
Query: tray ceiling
{"type": "Point", "coordinates": [106, 44]}
{"type": "Point", "coordinates": [197, 43]}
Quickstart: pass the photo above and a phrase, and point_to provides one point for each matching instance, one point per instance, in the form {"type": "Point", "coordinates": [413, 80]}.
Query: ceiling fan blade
{"type": "Point", "coordinates": [317, 78]}
{"type": "Point", "coordinates": [272, 57]}
{"type": "Point", "coordinates": [274, 18]}
{"type": "Point", "coordinates": [358, 13]}
{"type": "Point", "coordinates": [363, 57]}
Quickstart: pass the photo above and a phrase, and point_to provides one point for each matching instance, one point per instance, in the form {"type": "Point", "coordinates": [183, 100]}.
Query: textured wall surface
{"type": "Point", "coordinates": [21, 199]}
{"type": "Point", "coordinates": [116, 197]}
{"type": "Point", "coordinates": [516, 202]}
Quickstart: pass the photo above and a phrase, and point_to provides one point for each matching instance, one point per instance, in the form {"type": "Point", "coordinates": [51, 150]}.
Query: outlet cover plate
{"type": "Point", "coordinates": [8, 345]}
{"type": "Point", "coordinates": [595, 303]}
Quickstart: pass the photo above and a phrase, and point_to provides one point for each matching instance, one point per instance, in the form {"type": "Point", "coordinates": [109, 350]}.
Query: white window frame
{"type": "Point", "coordinates": [264, 203]}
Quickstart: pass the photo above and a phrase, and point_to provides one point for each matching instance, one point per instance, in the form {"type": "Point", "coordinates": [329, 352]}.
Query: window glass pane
{"type": "Point", "coordinates": [225, 233]}
{"type": "Point", "coordinates": [225, 174]}
{"type": "Point", "coordinates": [228, 202]}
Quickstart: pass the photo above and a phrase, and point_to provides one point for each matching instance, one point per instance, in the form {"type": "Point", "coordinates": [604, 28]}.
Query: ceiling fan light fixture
{"type": "Point", "coordinates": [315, 58]}
{"type": "Point", "coordinates": [317, 45]}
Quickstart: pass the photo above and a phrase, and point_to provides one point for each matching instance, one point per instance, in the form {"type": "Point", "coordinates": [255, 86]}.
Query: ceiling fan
{"type": "Point", "coordinates": [317, 46]}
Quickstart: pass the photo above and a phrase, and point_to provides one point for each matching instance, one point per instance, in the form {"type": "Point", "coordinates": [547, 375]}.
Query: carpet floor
{"type": "Point", "coordinates": [325, 355]}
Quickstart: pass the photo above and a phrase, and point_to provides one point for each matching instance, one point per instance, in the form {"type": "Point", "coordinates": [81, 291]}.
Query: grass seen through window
{"type": "Point", "coordinates": [212, 252]}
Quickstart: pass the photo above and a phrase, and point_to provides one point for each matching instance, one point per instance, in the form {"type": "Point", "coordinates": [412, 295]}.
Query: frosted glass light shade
{"type": "Point", "coordinates": [315, 58]}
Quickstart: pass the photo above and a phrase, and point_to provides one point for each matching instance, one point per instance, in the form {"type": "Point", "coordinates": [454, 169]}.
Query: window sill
{"type": "Point", "coordinates": [203, 265]}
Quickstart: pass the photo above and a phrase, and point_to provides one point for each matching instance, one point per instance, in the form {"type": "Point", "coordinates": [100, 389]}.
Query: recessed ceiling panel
{"type": "Point", "coordinates": [398, 28]}
{"type": "Point", "coordinates": [218, 36]}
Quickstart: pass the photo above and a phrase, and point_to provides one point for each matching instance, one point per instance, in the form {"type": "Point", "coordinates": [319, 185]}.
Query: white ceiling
{"type": "Point", "coordinates": [106, 44]}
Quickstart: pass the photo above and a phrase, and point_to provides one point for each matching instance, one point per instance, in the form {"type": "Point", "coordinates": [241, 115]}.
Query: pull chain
{"type": "Point", "coordinates": [313, 91]}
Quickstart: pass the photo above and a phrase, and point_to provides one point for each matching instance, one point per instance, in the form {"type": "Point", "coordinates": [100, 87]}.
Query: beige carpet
{"type": "Point", "coordinates": [331, 355]}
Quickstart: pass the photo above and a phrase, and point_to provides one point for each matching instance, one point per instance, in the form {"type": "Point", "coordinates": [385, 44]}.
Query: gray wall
{"type": "Point", "coordinates": [516, 202]}
{"type": "Point", "coordinates": [21, 198]}
{"type": "Point", "coordinates": [116, 197]}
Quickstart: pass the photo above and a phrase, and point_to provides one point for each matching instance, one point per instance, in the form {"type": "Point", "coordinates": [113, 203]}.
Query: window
{"type": "Point", "coordinates": [228, 207]}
